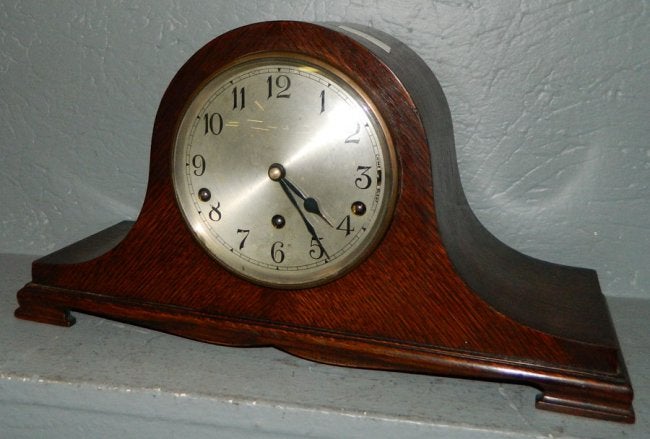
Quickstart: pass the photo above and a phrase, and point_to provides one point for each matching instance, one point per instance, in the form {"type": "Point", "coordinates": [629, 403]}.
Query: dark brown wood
{"type": "Point", "coordinates": [440, 295]}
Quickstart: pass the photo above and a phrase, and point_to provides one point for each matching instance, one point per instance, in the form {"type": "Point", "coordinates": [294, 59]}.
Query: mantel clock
{"type": "Point", "coordinates": [304, 194]}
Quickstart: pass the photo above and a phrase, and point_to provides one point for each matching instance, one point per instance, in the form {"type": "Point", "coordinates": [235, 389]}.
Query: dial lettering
{"type": "Point", "coordinates": [213, 123]}
{"type": "Point", "coordinates": [322, 101]}
{"type": "Point", "coordinates": [283, 83]}
{"type": "Point", "coordinates": [238, 98]}
{"type": "Point", "coordinates": [354, 137]}
{"type": "Point", "coordinates": [317, 251]}
{"type": "Point", "coordinates": [345, 226]}
{"type": "Point", "coordinates": [277, 254]}
{"type": "Point", "coordinates": [215, 213]}
{"type": "Point", "coordinates": [245, 232]}
{"type": "Point", "coordinates": [198, 162]}
{"type": "Point", "coordinates": [363, 181]}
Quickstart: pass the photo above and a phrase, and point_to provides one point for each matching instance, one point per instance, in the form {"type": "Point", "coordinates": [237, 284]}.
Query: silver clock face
{"type": "Point", "coordinates": [284, 171]}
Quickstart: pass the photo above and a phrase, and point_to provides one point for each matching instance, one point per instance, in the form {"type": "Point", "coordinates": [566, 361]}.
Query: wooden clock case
{"type": "Point", "coordinates": [440, 295]}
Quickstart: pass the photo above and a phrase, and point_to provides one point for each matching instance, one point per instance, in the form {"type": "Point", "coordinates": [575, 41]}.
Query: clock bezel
{"type": "Point", "coordinates": [378, 225]}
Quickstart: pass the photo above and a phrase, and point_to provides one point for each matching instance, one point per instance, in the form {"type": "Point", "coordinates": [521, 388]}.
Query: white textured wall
{"type": "Point", "coordinates": [550, 100]}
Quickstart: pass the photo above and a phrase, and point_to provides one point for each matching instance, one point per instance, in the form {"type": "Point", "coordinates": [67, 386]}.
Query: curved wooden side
{"type": "Point", "coordinates": [560, 300]}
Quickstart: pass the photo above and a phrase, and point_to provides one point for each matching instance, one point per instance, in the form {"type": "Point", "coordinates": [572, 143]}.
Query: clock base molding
{"type": "Point", "coordinates": [439, 295]}
{"type": "Point", "coordinates": [576, 392]}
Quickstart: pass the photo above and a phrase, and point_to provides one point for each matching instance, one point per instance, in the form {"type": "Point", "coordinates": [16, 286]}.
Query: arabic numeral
{"type": "Point", "coordinates": [238, 98]}
{"type": "Point", "coordinates": [363, 181]}
{"type": "Point", "coordinates": [345, 226]}
{"type": "Point", "coordinates": [245, 232]}
{"type": "Point", "coordinates": [282, 82]}
{"type": "Point", "coordinates": [215, 213]}
{"type": "Point", "coordinates": [354, 137]}
{"type": "Point", "coordinates": [322, 101]}
{"type": "Point", "coordinates": [212, 123]}
{"type": "Point", "coordinates": [198, 162]}
{"type": "Point", "coordinates": [317, 251]}
{"type": "Point", "coordinates": [277, 254]}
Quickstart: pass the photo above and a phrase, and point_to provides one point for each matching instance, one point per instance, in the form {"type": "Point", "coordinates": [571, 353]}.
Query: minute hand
{"type": "Point", "coordinates": [286, 188]}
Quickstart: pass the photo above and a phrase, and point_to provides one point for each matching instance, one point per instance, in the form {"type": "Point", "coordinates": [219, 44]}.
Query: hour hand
{"type": "Point", "coordinates": [309, 203]}
{"type": "Point", "coordinates": [311, 206]}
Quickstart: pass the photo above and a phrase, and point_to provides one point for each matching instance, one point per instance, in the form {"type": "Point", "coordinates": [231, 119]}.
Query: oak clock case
{"type": "Point", "coordinates": [425, 288]}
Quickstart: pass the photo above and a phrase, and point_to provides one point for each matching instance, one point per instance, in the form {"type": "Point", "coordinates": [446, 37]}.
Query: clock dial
{"type": "Point", "coordinates": [284, 171]}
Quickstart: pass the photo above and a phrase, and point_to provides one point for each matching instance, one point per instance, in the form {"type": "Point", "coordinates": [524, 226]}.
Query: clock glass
{"type": "Point", "coordinates": [284, 171]}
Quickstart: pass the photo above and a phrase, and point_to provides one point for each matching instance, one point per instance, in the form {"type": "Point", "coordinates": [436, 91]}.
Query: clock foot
{"type": "Point", "coordinates": [42, 312]}
{"type": "Point", "coordinates": [607, 409]}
